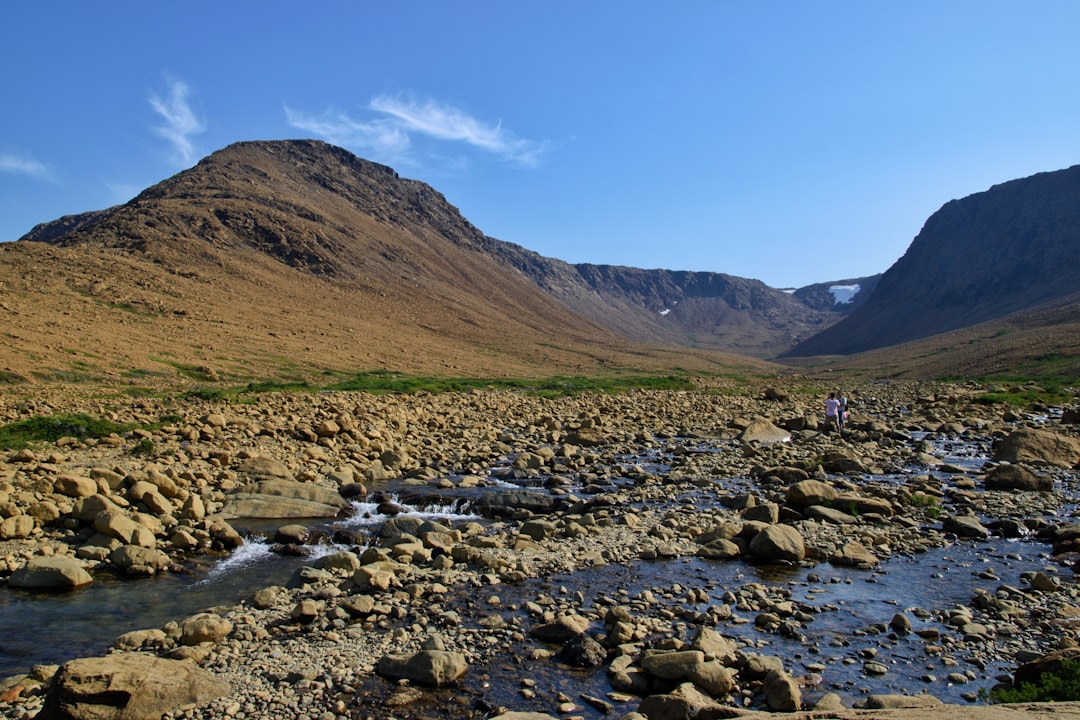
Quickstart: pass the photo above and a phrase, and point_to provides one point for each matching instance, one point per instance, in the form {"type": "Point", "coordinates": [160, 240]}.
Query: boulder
{"type": "Point", "coordinates": [115, 523]}
{"type": "Point", "coordinates": [839, 462]}
{"type": "Point", "coordinates": [762, 431]}
{"type": "Point", "coordinates": [714, 645]}
{"type": "Point", "coordinates": [55, 572]}
{"type": "Point", "coordinates": [803, 494]}
{"type": "Point", "coordinates": [204, 627]}
{"type": "Point", "coordinates": [427, 667]}
{"type": "Point", "coordinates": [782, 693]}
{"type": "Point", "coordinates": [1038, 447]}
{"type": "Point", "coordinates": [141, 560]}
{"type": "Point", "coordinates": [508, 503]}
{"type": "Point", "coordinates": [965, 526]}
{"type": "Point", "coordinates": [561, 629]}
{"type": "Point", "coordinates": [582, 651]}
{"type": "Point", "coordinates": [75, 486]}
{"type": "Point", "coordinates": [853, 554]}
{"type": "Point", "coordinates": [778, 543]}
{"type": "Point", "coordinates": [829, 515]}
{"type": "Point", "coordinates": [1017, 477]}
{"type": "Point", "coordinates": [127, 686]}
{"type": "Point", "coordinates": [678, 666]}
{"type": "Point", "coordinates": [860, 505]}
{"type": "Point", "coordinates": [261, 466]}
{"type": "Point", "coordinates": [283, 499]}
{"type": "Point", "coordinates": [886, 702]}
{"type": "Point", "coordinates": [17, 526]}
{"type": "Point", "coordinates": [686, 702]}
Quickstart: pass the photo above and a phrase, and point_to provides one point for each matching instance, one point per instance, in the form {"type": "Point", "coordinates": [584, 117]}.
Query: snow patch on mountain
{"type": "Point", "coordinates": [843, 294]}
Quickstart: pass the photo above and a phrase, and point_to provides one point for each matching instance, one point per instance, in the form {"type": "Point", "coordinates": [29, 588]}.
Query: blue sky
{"type": "Point", "coordinates": [792, 142]}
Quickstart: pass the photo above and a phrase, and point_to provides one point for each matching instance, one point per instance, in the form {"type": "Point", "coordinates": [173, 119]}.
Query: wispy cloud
{"type": "Point", "coordinates": [180, 120]}
{"type": "Point", "coordinates": [23, 166]}
{"type": "Point", "coordinates": [381, 136]}
{"type": "Point", "coordinates": [390, 134]}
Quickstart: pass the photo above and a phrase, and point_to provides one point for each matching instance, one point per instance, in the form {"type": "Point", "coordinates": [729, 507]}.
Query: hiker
{"type": "Point", "coordinates": [841, 411]}
{"type": "Point", "coordinates": [832, 407]}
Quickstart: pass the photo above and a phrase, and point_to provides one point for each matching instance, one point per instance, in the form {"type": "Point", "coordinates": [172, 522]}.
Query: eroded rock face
{"type": "Point", "coordinates": [127, 686]}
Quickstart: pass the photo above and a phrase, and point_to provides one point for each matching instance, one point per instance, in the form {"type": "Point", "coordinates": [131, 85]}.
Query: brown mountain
{"type": "Point", "coordinates": [1010, 249]}
{"type": "Point", "coordinates": [288, 259]}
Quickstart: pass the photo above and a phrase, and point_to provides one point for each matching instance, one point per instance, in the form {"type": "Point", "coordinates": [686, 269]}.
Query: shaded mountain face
{"type": "Point", "coordinates": [691, 309]}
{"type": "Point", "coordinates": [291, 257]}
{"type": "Point", "coordinates": [1008, 249]}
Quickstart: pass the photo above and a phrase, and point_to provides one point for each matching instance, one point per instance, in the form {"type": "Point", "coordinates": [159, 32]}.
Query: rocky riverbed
{"type": "Point", "coordinates": [662, 553]}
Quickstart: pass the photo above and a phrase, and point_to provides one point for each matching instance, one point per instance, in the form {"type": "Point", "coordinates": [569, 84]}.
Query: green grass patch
{"type": "Point", "coordinates": [386, 381]}
{"type": "Point", "coordinates": [382, 381]}
{"type": "Point", "coordinates": [1023, 391]}
{"type": "Point", "coordinates": [50, 428]}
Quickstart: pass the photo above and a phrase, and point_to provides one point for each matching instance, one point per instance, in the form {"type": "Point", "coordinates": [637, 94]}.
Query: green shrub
{"type": "Point", "coordinates": [145, 448]}
{"type": "Point", "coordinates": [1060, 686]}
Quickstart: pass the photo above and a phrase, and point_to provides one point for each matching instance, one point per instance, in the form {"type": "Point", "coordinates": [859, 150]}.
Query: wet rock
{"type": "Point", "coordinates": [965, 526]}
{"type": "Point", "coordinates": [291, 534]}
{"type": "Point", "coordinates": [507, 503]}
{"type": "Point", "coordinates": [854, 554]}
{"type": "Point", "coordinates": [1016, 477]}
{"type": "Point", "coordinates": [677, 666]}
{"type": "Point", "coordinates": [136, 560]}
{"type": "Point", "coordinates": [582, 651]}
{"type": "Point", "coordinates": [51, 573]}
{"type": "Point", "coordinates": [562, 629]}
{"type": "Point", "coordinates": [126, 686]}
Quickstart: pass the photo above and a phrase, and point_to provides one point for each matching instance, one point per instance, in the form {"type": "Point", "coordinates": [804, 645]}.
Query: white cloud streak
{"type": "Point", "coordinates": [391, 135]}
{"type": "Point", "coordinates": [180, 120]}
{"type": "Point", "coordinates": [23, 166]}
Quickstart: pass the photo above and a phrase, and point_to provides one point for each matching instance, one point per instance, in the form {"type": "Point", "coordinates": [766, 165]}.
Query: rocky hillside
{"type": "Point", "coordinates": [1011, 248]}
{"type": "Point", "coordinates": [289, 259]}
{"type": "Point", "coordinates": [691, 309]}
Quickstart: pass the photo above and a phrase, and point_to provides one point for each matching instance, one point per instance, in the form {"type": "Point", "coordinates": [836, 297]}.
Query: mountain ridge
{"type": "Point", "coordinates": [291, 258]}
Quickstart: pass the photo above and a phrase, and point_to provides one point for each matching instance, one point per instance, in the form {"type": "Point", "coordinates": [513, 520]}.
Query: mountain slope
{"type": "Point", "coordinates": [289, 258]}
{"type": "Point", "coordinates": [1008, 249]}
{"type": "Point", "coordinates": [692, 309]}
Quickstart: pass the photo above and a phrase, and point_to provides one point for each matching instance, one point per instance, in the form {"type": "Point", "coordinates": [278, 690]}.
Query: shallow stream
{"type": "Point", "coordinates": [851, 608]}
